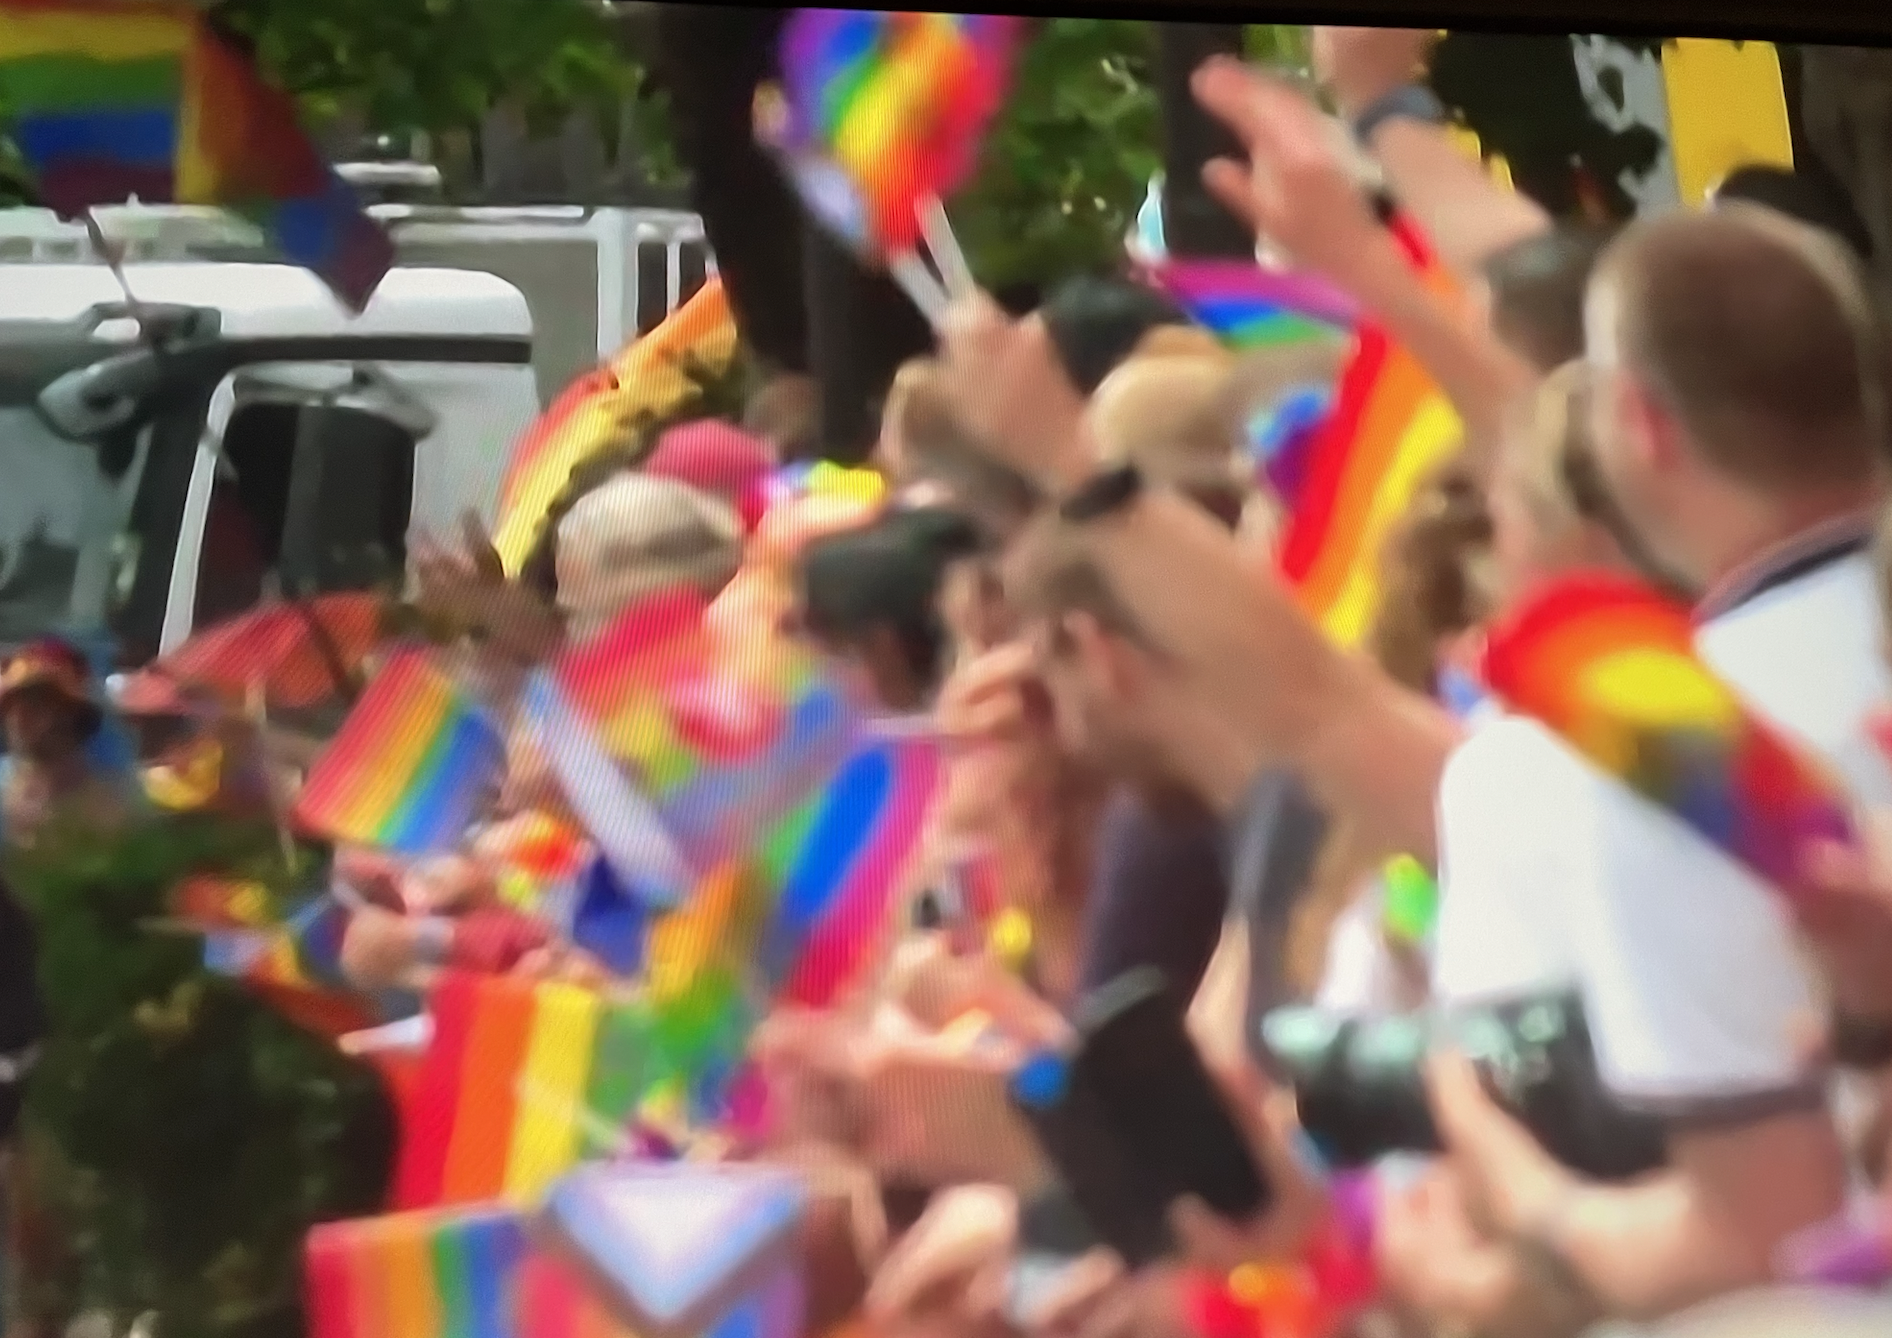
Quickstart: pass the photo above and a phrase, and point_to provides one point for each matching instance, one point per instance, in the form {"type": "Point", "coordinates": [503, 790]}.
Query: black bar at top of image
{"type": "Point", "coordinates": [1839, 22]}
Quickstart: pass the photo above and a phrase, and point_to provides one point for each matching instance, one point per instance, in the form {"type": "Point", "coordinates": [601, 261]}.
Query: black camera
{"type": "Point", "coordinates": [1360, 1086]}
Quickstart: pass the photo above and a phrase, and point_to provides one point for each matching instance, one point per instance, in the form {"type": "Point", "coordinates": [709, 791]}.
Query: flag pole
{"type": "Point", "coordinates": [113, 254]}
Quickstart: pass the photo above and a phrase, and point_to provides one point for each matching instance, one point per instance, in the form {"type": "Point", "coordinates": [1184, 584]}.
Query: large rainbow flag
{"type": "Point", "coordinates": [147, 101]}
{"type": "Point", "coordinates": [647, 379]}
{"type": "Point", "coordinates": [1390, 427]}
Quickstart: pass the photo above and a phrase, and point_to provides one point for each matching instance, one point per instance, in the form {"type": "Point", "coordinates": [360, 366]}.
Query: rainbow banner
{"type": "Point", "coordinates": [1249, 307]}
{"type": "Point", "coordinates": [647, 380]}
{"type": "Point", "coordinates": [121, 101]}
{"type": "Point", "coordinates": [411, 765]}
{"type": "Point", "coordinates": [1611, 666]}
{"type": "Point", "coordinates": [1390, 427]}
{"type": "Point", "coordinates": [295, 966]}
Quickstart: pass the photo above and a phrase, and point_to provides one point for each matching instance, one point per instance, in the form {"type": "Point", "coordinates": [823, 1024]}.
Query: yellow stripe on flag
{"type": "Point", "coordinates": [122, 35]}
{"type": "Point", "coordinates": [1727, 109]}
{"type": "Point", "coordinates": [552, 1089]}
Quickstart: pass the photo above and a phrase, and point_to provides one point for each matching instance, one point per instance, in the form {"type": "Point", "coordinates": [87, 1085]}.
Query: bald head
{"type": "Point", "coordinates": [1756, 334]}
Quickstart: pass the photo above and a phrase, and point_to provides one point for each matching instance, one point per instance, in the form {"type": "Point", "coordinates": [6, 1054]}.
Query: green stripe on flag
{"type": "Point", "coordinates": [77, 84]}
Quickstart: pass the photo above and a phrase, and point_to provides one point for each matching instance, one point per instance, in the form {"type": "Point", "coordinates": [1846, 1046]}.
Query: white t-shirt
{"type": "Point", "coordinates": [1361, 974]}
{"type": "Point", "coordinates": [1553, 874]}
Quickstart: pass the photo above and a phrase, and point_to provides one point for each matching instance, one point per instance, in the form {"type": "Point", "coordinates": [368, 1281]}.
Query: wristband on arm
{"type": "Point", "coordinates": [1408, 102]}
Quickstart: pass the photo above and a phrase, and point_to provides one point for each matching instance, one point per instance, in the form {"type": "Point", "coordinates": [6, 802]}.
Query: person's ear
{"type": "Point", "coordinates": [1108, 663]}
{"type": "Point", "coordinates": [1654, 434]}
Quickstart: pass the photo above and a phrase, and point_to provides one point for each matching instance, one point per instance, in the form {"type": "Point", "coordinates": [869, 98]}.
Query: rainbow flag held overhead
{"type": "Point", "coordinates": [646, 380]}
{"type": "Point", "coordinates": [879, 112]}
{"type": "Point", "coordinates": [1610, 665]}
{"type": "Point", "coordinates": [1389, 428]}
{"type": "Point", "coordinates": [112, 102]}
{"type": "Point", "coordinates": [411, 766]}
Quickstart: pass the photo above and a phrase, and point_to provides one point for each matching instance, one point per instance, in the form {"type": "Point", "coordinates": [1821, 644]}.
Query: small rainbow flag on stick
{"type": "Point", "coordinates": [1389, 428]}
{"type": "Point", "coordinates": [1611, 666]}
{"type": "Point", "coordinates": [112, 102]}
{"type": "Point", "coordinates": [410, 766]}
{"type": "Point", "coordinates": [882, 112]}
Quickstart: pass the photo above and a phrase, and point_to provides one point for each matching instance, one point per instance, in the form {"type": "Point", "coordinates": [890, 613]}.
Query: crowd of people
{"type": "Point", "coordinates": [1158, 760]}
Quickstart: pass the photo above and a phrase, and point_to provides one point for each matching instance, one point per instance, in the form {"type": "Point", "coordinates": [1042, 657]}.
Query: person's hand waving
{"type": "Point", "coordinates": [1296, 189]}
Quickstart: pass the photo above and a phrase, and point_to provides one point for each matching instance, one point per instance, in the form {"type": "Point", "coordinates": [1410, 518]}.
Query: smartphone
{"type": "Point", "coordinates": [1135, 1055]}
{"type": "Point", "coordinates": [1119, 1203]}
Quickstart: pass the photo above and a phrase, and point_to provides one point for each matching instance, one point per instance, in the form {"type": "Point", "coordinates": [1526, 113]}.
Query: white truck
{"type": "Point", "coordinates": [167, 461]}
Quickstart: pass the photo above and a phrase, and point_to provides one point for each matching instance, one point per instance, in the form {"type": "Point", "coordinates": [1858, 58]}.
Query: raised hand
{"type": "Point", "coordinates": [1297, 188]}
{"type": "Point", "coordinates": [1359, 66]}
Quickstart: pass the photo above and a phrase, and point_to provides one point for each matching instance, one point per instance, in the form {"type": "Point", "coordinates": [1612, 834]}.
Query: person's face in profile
{"type": "Point", "coordinates": [1096, 686]}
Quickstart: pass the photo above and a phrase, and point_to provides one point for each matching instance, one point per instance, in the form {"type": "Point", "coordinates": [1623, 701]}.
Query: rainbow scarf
{"type": "Point", "coordinates": [119, 101]}
{"type": "Point", "coordinates": [1354, 478]}
{"type": "Point", "coordinates": [645, 381]}
{"type": "Point", "coordinates": [410, 766]}
{"type": "Point", "coordinates": [1611, 667]}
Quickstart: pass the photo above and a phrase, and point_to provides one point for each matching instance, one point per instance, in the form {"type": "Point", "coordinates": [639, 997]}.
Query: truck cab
{"type": "Point", "coordinates": [176, 449]}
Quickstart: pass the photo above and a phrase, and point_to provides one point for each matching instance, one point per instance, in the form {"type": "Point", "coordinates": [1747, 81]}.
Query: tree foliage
{"type": "Point", "coordinates": [179, 1137]}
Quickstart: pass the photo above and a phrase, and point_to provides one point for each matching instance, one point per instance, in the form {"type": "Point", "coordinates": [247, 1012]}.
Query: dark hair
{"type": "Point", "coordinates": [1537, 288]}
{"type": "Point", "coordinates": [1812, 198]}
{"type": "Point", "coordinates": [1096, 323]}
{"type": "Point", "coordinates": [886, 575]}
{"type": "Point", "coordinates": [1758, 333]}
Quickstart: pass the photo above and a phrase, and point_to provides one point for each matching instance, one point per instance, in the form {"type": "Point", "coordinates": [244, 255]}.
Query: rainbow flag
{"type": "Point", "coordinates": [840, 861]}
{"type": "Point", "coordinates": [466, 1274]}
{"type": "Point", "coordinates": [710, 747]}
{"type": "Point", "coordinates": [1390, 427]}
{"type": "Point", "coordinates": [646, 380]}
{"type": "Point", "coordinates": [879, 112]}
{"type": "Point", "coordinates": [1611, 666]}
{"type": "Point", "coordinates": [410, 766]}
{"type": "Point", "coordinates": [117, 101]}
{"type": "Point", "coordinates": [1249, 307]}
{"type": "Point", "coordinates": [296, 967]}
{"type": "Point", "coordinates": [523, 1079]}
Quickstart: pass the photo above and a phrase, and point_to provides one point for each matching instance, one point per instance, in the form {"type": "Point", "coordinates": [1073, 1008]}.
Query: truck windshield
{"type": "Point", "coordinates": [64, 553]}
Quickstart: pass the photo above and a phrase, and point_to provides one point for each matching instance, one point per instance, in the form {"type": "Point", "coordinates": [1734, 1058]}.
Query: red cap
{"type": "Point", "coordinates": [717, 458]}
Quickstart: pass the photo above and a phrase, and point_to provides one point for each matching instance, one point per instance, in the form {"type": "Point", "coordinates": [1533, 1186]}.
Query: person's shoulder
{"type": "Point", "coordinates": [1511, 751]}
